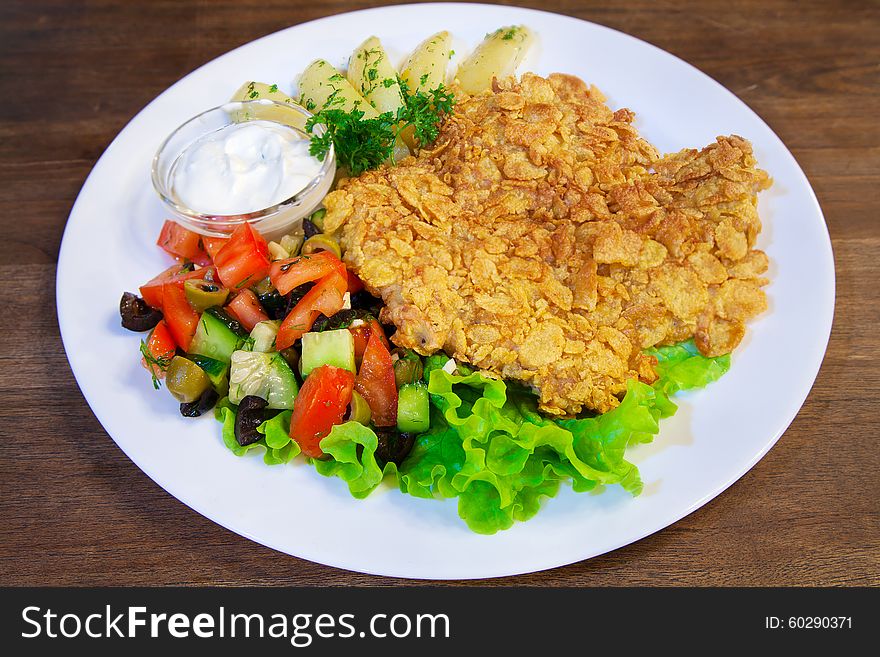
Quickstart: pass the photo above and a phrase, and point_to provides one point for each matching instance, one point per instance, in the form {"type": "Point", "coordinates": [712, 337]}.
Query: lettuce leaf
{"type": "Point", "coordinates": [276, 444]}
{"type": "Point", "coordinates": [351, 456]}
{"type": "Point", "coordinates": [683, 367]}
{"type": "Point", "coordinates": [489, 447]}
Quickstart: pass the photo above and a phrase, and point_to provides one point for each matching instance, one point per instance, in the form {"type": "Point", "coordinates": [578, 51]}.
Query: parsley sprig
{"type": "Point", "coordinates": [362, 144]}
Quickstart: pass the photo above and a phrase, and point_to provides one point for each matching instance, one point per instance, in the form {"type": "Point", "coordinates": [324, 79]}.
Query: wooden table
{"type": "Point", "coordinates": [76, 511]}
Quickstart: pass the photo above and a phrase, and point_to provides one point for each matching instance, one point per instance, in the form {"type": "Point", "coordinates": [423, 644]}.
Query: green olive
{"type": "Point", "coordinates": [203, 294]}
{"type": "Point", "coordinates": [186, 380]}
{"type": "Point", "coordinates": [321, 243]}
{"type": "Point", "coordinates": [317, 218]}
{"type": "Point", "coordinates": [358, 409]}
{"type": "Point", "coordinates": [408, 369]}
{"type": "Point", "coordinates": [263, 286]}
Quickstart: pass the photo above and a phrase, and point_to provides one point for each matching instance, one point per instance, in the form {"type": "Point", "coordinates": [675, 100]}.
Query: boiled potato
{"type": "Point", "coordinates": [261, 90]}
{"type": "Point", "coordinates": [370, 73]}
{"type": "Point", "coordinates": [257, 90]}
{"type": "Point", "coordinates": [497, 56]}
{"type": "Point", "coordinates": [321, 86]}
{"type": "Point", "coordinates": [425, 69]}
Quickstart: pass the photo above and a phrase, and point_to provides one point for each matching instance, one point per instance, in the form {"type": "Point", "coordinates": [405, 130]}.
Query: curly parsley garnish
{"type": "Point", "coordinates": [425, 111]}
{"type": "Point", "coordinates": [362, 144]}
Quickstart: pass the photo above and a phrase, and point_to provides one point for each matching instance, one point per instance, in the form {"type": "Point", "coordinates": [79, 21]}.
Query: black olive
{"type": "Point", "coordinates": [363, 300]}
{"type": "Point", "coordinates": [342, 319]}
{"type": "Point", "coordinates": [274, 304]}
{"type": "Point", "coordinates": [250, 416]}
{"type": "Point", "coordinates": [296, 295]}
{"type": "Point", "coordinates": [136, 314]}
{"type": "Point", "coordinates": [393, 446]}
{"type": "Point", "coordinates": [201, 405]}
{"type": "Point", "coordinates": [310, 229]}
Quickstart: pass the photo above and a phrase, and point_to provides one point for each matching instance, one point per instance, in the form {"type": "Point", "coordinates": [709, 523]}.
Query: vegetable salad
{"type": "Point", "coordinates": [285, 346]}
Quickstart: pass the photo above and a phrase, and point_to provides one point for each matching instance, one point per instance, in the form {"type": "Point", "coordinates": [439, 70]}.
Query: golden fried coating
{"type": "Point", "coordinates": [541, 239]}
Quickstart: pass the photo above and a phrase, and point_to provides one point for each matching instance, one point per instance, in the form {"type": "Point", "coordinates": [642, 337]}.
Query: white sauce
{"type": "Point", "coordinates": [242, 168]}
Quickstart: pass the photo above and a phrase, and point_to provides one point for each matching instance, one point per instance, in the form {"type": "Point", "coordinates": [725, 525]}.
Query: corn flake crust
{"type": "Point", "coordinates": [541, 239]}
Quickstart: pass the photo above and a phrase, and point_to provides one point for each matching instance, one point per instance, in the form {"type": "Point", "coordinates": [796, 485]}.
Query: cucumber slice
{"type": "Point", "coordinates": [230, 322]}
{"type": "Point", "coordinates": [413, 409]}
{"type": "Point", "coordinates": [264, 334]}
{"type": "Point", "coordinates": [327, 348]}
{"type": "Point", "coordinates": [217, 371]}
{"type": "Point", "coordinates": [214, 339]}
{"type": "Point", "coordinates": [265, 375]}
{"type": "Point", "coordinates": [283, 387]}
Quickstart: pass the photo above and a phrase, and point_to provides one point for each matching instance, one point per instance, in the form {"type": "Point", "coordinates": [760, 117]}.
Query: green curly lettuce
{"type": "Point", "coordinates": [490, 448]}
{"type": "Point", "coordinates": [350, 454]}
{"type": "Point", "coordinates": [276, 444]}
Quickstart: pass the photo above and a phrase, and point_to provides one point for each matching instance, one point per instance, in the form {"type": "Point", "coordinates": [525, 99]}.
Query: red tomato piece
{"type": "Point", "coordinates": [213, 244]}
{"type": "Point", "coordinates": [152, 291]}
{"type": "Point", "coordinates": [324, 298]}
{"type": "Point", "coordinates": [375, 382]}
{"type": "Point", "coordinates": [246, 308]}
{"type": "Point", "coordinates": [180, 317]}
{"type": "Point", "coordinates": [354, 283]}
{"type": "Point", "coordinates": [321, 403]}
{"type": "Point", "coordinates": [182, 243]}
{"type": "Point", "coordinates": [293, 272]}
{"type": "Point", "coordinates": [244, 259]}
{"type": "Point", "coordinates": [161, 347]}
{"type": "Point", "coordinates": [362, 334]}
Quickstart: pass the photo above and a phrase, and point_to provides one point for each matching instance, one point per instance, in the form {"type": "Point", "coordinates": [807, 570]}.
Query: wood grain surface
{"type": "Point", "coordinates": [76, 511]}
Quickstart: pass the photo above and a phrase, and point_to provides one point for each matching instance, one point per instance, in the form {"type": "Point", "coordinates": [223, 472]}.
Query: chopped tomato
{"type": "Point", "coordinates": [246, 308]}
{"type": "Point", "coordinates": [375, 382]}
{"type": "Point", "coordinates": [362, 334]}
{"type": "Point", "coordinates": [182, 243]}
{"type": "Point", "coordinates": [213, 244]}
{"type": "Point", "coordinates": [324, 298]}
{"type": "Point", "coordinates": [354, 283]}
{"type": "Point", "coordinates": [293, 272]}
{"type": "Point", "coordinates": [321, 403]}
{"type": "Point", "coordinates": [244, 259]}
{"type": "Point", "coordinates": [152, 291]}
{"type": "Point", "coordinates": [161, 349]}
{"type": "Point", "coordinates": [180, 317]}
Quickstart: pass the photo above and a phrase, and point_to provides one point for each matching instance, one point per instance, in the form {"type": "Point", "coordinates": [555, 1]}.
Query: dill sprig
{"type": "Point", "coordinates": [162, 362]}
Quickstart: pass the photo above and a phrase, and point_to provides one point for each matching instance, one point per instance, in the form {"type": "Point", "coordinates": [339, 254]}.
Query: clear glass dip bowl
{"type": "Point", "coordinates": [272, 222]}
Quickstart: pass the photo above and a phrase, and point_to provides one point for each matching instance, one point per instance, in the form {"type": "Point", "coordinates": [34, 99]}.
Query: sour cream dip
{"type": "Point", "coordinates": [243, 168]}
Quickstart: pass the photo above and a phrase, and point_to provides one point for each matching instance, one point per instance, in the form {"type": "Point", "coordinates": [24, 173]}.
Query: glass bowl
{"type": "Point", "coordinates": [272, 222]}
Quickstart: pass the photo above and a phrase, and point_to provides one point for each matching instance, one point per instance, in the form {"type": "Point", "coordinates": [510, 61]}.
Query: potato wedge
{"type": "Point", "coordinates": [426, 67]}
{"type": "Point", "coordinates": [497, 56]}
{"type": "Point", "coordinates": [371, 73]}
{"type": "Point", "coordinates": [260, 90]}
{"type": "Point", "coordinates": [321, 86]}
{"type": "Point", "coordinates": [256, 90]}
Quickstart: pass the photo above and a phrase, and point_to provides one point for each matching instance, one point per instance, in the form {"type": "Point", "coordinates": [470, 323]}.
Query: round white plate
{"type": "Point", "coordinates": [717, 435]}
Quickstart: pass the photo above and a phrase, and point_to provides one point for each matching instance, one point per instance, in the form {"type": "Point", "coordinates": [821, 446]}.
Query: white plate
{"type": "Point", "coordinates": [717, 435]}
